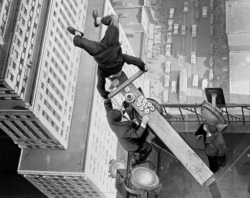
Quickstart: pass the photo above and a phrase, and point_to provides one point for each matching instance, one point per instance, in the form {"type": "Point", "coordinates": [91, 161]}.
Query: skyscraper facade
{"type": "Point", "coordinates": [39, 68]}
{"type": "Point", "coordinates": [82, 169]}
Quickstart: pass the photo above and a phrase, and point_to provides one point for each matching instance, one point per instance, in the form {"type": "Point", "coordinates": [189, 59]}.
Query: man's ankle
{"type": "Point", "coordinates": [78, 33]}
{"type": "Point", "coordinates": [98, 20]}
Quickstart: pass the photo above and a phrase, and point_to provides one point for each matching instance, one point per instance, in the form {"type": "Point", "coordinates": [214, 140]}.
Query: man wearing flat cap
{"type": "Point", "coordinates": [131, 136]}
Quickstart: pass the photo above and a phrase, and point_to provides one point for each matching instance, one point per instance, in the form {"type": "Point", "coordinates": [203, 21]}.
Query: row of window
{"type": "Point", "coordinates": [61, 47]}
{"type": "Point", "coordinates": [62, 36]}
{"type": "Point", "coordinates": [52, 110]}
{"type": "Point", "coordinates": [64, 17]}
{"type": "Point", "coordinates": [59, 69]}
{"type": "Point", "coordinates": [48, 118]}
{"type": "Point", "coordinates": [72, 7]}
{"type": "Point", "coordinates": [18, 42]}
{"type": "Point", "coordinates": [53, 99]}
{"type": "Point", "coordinates": [54, 87]}
{"type": "Point", "coordinates": [60, 58]}
{"type": "Point", "coordinates": [57, 78]}
{"type": "Point", "coordinates": [6, 11]}
{"type": "Point", "coordinates": [68, 12]}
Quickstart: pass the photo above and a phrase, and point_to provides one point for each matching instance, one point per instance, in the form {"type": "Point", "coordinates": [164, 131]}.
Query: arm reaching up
{"type": "Point", "coordinates": [135, 61]}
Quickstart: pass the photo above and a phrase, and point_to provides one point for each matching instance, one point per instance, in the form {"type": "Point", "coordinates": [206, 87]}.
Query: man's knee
{"type": "Point", "coordinates": [76, 40]}
{"type": "Point", "coordinates": [113, 19]}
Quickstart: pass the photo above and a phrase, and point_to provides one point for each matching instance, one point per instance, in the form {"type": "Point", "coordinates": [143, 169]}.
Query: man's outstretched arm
{"type": "Point", "coordinates": [135, 61]}
{"type": "Point", "coordinates": [101, 81]}
{"type": "Point", "coordinates": [108, 105]}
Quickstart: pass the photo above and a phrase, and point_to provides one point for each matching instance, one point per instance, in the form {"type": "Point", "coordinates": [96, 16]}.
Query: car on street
{"type": "Point", "coordinates": [193, 57]}
{"type": "Point", "coordinates": [169, 35]}
{"type": "Point", "coordinates": [176, 29]}
{"type": "Point", "coordinates": [195, 80]}
{"type": "Point", "coordinates": [204, 11]}
{"type": "Point", "coordinates": [183, 30]}
{"type": "Point", "coordinates": [171, 13]}
{"type": "Point", "coordinates": [211, 19]}
{"type": "Point", "coordinates": [204, 83]}
{"type": "Point", "coordinates": [211, 30]}
{"type": "Point", "coordinates": [170, 24]}
{"type": "Point", "coordinates": [166, 80]}
{"type": "Point", "coordinates": [194, 30]}
{"type": "Point", "coordinates": [196, 3]}
{"type": "Point", "coordinates": [211, 74]}
{"type": "Point", "coordinates": [185, 9]}
{"type": "Point", "coordinates": [168, 50]}
{"type": "Point", "coordinates": [211, 4]}
{"type": "Point", "coordinates": [211, 61]}
{"type": "Point", "coordinates": [173, 86]}
{"type": "Point", "coordinates": [165, 96]}
{"type": "Point", "coordinates": [211, 48]}
{"type": "Point", "coordinates": [169, 41]}
{"type": "Point", "coordinates": [167, 67]}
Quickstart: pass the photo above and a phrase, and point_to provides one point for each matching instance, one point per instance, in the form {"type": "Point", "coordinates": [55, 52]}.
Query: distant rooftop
{"type": "Point", "coordinates": [239, 76]}
{"type": "Point", "coordinates": [237, 16]}
{"type": "Point", "coordinates": [128, 3]}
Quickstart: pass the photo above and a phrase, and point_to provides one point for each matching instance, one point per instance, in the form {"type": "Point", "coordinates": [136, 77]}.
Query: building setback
{"type": "Point", "coordinates": [237, 25]}
{"type": "Point", "coordinates": [39, 67]}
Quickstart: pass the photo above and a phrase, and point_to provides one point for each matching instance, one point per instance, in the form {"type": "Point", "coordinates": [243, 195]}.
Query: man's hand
{"type": "Point", "coordinates": [145, 120]}
{"type": "Point", "coordinates": [145, 69]}
{"type": "Point", "coordinates": [106, 100]}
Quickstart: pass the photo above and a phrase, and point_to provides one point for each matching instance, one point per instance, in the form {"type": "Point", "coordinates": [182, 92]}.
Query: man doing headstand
{"type": "Point", "coordinates": [107, 53]}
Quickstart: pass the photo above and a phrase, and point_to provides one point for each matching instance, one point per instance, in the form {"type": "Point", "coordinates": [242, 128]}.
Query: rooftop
{"type": "Point", "coordinates": [239, 76]}
{"type": "Point", "coordinates": [237, 16]}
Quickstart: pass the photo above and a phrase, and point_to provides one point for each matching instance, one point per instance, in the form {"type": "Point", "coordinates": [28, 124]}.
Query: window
{"type": "Point", "coordinates": [25, 11]}
{"type": "Point", "coordinates": [20, 32]}
{"type": "Point", "coordinates": [11, 77]}
{"type": "Point", "coordinates": [23, 21]}
{"type": "Point", "coordinates": [16, 54]}
{"type": "Point", "coordinates": [14, 65]}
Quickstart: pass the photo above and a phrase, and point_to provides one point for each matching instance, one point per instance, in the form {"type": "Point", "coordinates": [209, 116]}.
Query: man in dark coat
{"type": "Point", "coordinates": [211, 130]}
{"type": "Point", "coordinates": [107, 53]}
{"type": "Point", "coordinates": [131, 136]}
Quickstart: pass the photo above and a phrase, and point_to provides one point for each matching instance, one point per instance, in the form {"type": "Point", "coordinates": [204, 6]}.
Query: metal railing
{"type": "Point", "coordinates": [192, 112]}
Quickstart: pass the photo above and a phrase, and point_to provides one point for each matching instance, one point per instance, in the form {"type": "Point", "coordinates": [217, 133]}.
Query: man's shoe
{"type": "Point", "coordinates": [95, 15]}
{"type": "Point", "coordinates": [72, 31]}
{"type": "Point", "coordinates": [143, 157]}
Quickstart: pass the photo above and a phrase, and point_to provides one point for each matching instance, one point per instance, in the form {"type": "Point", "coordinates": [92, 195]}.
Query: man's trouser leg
{"type": "Point", "coordinates": [144, 151]}
{"type": "Point", "coordinates": [92, 47]}
{"type": "Point", "coordinates": [111, 37]}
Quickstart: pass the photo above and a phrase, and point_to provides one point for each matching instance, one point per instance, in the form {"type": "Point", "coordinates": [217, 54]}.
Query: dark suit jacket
{"type": "Point", "coordinates": [126, 132]}
{"type": "Point", "coordinates": [110, 62]}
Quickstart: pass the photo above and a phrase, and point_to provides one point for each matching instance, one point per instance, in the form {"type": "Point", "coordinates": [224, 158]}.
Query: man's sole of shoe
{"type": "Point", "coordinates": [95, 15]}
{"type": "Point", "coordinates": [73, 31]}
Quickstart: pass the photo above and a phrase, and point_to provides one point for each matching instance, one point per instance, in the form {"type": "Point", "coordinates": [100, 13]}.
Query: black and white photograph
{"type": "Point", "coordinates": [124, 99]}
